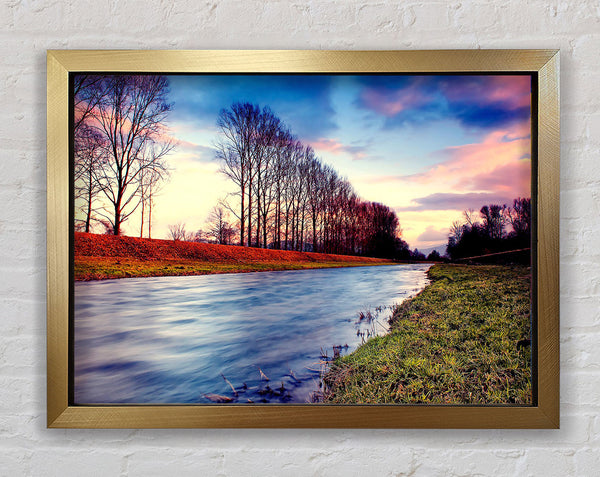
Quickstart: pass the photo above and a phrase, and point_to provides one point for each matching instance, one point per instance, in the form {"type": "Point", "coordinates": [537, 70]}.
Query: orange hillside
{"type": "Point", "coordinates": [110, 256]}
{"type": "Point", "coordinates": [92, 245]}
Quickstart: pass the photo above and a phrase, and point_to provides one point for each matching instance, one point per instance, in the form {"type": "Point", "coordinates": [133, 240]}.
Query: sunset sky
{"type": "Point", "coordinates": [427, 146]}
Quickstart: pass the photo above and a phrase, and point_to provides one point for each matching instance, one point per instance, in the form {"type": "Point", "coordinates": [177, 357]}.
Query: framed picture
{"type": "Point", "coordinates": [303, 239]}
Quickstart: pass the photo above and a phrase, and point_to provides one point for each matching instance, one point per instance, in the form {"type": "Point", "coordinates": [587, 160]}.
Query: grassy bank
{"type": "Point", "coordinates": [458, 342]}
{"type": "Point", "coordinates": [100, 268]}
{"type": "Point", "coordinates": [100, 257]}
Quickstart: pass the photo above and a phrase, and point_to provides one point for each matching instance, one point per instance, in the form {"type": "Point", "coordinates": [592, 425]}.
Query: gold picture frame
{"type": "Point", "coordinates": [541, 64]}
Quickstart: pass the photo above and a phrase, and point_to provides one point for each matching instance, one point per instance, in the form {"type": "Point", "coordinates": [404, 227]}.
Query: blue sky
{"type": "Point", "coordinates": [428, 146]}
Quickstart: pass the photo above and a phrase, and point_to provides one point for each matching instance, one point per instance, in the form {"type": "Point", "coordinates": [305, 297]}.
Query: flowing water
{"type": "Point", "coordinates": [193, 339]}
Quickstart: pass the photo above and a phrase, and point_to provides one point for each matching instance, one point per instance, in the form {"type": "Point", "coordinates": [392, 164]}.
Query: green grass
{"type": "Point", "coordinates": [99, 268]}
{"type": "Point", "coordinates": [455, 342]}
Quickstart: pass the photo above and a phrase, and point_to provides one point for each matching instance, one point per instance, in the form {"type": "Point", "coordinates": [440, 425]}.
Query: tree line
{"type": "Point", "coordinates": [499, 228]}
{"type": "Point", "coordinates": [120, 147]}
{"type": "Point", "coordinates": [287, 198]}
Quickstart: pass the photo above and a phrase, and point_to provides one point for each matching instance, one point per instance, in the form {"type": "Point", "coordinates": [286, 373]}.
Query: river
{"type": "Point", "coordinates": [196, 339]}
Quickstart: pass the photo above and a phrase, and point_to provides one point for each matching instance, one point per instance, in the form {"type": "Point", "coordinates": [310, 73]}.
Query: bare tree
{"type": "Point", "coordinates": [519, 216]}
{"type": "Point", "coordinates": [315, 197]}
{"type": "Point", "coordinates": [89, 154]}
{"type": "Point", "coordinates": [286, 194]}
{"type": "Point", "coordinates": [151, 179]}
{"type": "Point", "coordinates": [282, 164]}
{"type": "Point", "coordinates": [178, 232]}
{"type": "Point", "coordinates": [469, 217]}
{"type": "Point", "coordinates": [88, 92]}
{"type": "Point", "coordinates": [237, 126]}
{"type": "Point", "coordinates": [456, 232]}
{"type": "Point", "coordinates": [200, 236]}
{"type": "Point", "coordinates": [219, 227]}
{"type": "Point", "coordinates": [494, 220]}
{"type": "Point", "coordinates": [130, 117]}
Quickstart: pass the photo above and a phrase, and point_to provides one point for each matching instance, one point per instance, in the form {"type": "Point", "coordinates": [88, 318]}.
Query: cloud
{"type": "Point", "coordinates": [455, 201]}
{"type": "Point", "coordinates": [201, 153]}
{"type": "Point", "coordinates": [193, 151]}
{"type": "Point", "coordinates": [390, 102]}
{"type": "Point", "coordinates": [499, 164]}
{"type": "Point", "coordinates": [303, 102]}
{"type": "Point", "coordinates": [510, 92]}
{"type": "Point", "coordinates": [510, 178]}
{"type": "Point", "coordinates": [334, 146]}
{"type": "Point", "coordinates": [495, 163]}
{"type": "Point", "coordinates": [431, 234]}
{"type": "Point", "coordinates": [476, 101]}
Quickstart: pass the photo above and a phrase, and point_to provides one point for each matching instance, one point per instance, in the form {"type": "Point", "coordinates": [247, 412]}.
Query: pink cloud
{"type": "Point", "coordinates": [335, 147]}
{"type": "Point", "coordinates": [161, 133]}
{"type": "Point", "coordinates": [512, 178]}
{"type": "Point", "coordinates": [498, 164]}
{"type": "Point", "coordinates": [431, 234]}
{"type": "Point", "coordinates": [447, 201]}
{"type": "Point", "coordinates": [390, 103]}
{"type": "Point", "coordinates": [512, 92]}
{"type": "Point", "coordinates": [498, 169]}
{"type": "Point", "coordinates": [328, 145]}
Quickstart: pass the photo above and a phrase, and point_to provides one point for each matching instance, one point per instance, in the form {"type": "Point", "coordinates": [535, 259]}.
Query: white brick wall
{"type": "Point", "coordinates": [30, 27]}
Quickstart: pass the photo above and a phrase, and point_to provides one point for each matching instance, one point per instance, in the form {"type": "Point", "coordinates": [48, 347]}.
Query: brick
{"type": "Point", "coordinates": [581, 388]}
{"type": "Point", "coordinates": [41, 16]}
{"type": "Point", "coordinates": [469, 462]}
{"type": "Point", "coordinates": [432, 16]}
{"type": "Point", "coordinates": [15, 461]}
{"type": "Point", "coordinates": [89, 462]}
{"type": "Point", "coordinates": [576, 95]}
{"type": "Point", "coordinates": [21, 355]}
{"type": "Point", "coordinates": [547, 462]}
{"type": "Point", "coordinates": [162, 461]}
{"type": "Point", "coordinates": [373, 461]}
{"type": "Point", "coordinates": [578, 313]}
{"type": "Point", "coordinates": [30, 27]}
{"type": "Point", "coordinates": [17, 317]}
{"type": "Point", "coordinates": [587, 461]}
{"type": "Point", "coordinates": [584, 48]}
{"type": "Point", "coordinates": [374, 17]}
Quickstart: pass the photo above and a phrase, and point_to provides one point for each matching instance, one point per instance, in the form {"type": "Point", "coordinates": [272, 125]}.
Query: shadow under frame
{"type": "Point", "coordinates": [543, 65]}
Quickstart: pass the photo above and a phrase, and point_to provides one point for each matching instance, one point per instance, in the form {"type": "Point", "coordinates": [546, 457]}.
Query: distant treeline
{"type": "Point", "coordinates": [287, 198]}
{"type": "Point", "coordinates": [499, 228]}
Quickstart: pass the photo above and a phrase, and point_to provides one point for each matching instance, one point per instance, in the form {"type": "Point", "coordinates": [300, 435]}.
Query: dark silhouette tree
{"type": "Point", "coordinates": [287, 198]}
{"type": "Point", "coordinates": [89, 154]}
{"type": "Point", "coordinates": [218, 226]}
{"type": "Point", "coordinates": [434, 256]}
{"type": "Point", "coordinates": [494, 220]}
{"type": "Point", "coordinates": [520, 217]}
{"type": "Point", "coordinates": [178, 232]}
{"type": "Point", "coordinates": [491, 235]}
{"type": "Point", "coordinates": [88, 92]}
{"type": "Point", "coordinates": [130, 118]}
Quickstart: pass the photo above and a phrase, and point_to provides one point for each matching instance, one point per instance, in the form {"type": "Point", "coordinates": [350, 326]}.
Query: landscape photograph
{"type": "Point", "coordinates": [309, 239]}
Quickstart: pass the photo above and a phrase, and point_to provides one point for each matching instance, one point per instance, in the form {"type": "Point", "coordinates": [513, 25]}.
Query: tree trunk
{"type": "Point", "coordinates": [89, 207]}
{"type": "Point", "coordinates": [117, 222]}
{"type": "Point", "coordinates": [150, 215]}
{"type": "Point", "coordinates": [314, 224]}
{"type": "Point", "coordinates": [250, 214]}
{"type": "Point", "coordinates": [242, 212]}
{"type": "Point", "coordinates": [142, 225]}
{"type": "Point", "coordinates": [258, 219]}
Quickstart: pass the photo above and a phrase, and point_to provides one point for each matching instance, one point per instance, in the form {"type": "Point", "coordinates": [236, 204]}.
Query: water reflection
{"type": "Point", "coordinates": [218, 338]}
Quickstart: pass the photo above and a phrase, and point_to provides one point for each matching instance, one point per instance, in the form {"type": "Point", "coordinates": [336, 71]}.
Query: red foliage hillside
{"type": "Point", "coordinates": [92, 245]}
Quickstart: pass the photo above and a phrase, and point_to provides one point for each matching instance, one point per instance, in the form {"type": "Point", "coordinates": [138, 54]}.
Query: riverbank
{"type": "Point", "coordinates": [462, 340]}
{"type": "Point", "coordinates": [99, 257]}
